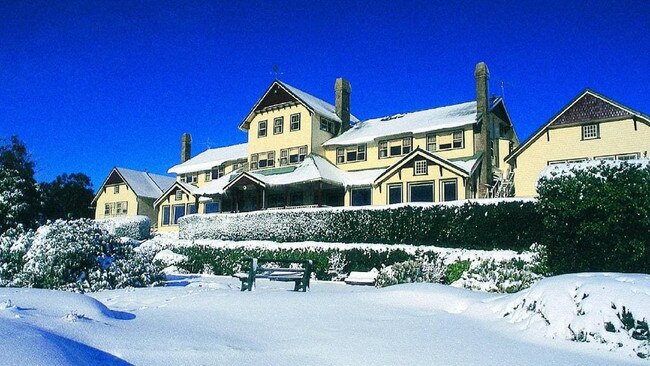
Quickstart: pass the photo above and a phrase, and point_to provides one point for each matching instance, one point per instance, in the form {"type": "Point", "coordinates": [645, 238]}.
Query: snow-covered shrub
{"type": "Point", "coordinates": [135, 227]}
{"type": "Point", "coordinates": [419, 270]}
{"type": "Point", "coordinates": [596, 217]}
{"type": "Point", "coordinates": [337, 263]}
{"type": "Point", "coordinates": [503, 224]}
{"type": "Point", "coordinates": [455, 271]}
{"type": "Point", "coordinates": [80, 256]}
{"type": "Point", "coordinates": [13, 246]}
{"type": "Point", "coordinates": [502, 276]}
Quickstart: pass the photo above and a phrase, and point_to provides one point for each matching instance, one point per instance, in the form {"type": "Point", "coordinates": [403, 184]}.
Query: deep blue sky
{"type": "Point", "coordinates": [90, 85]}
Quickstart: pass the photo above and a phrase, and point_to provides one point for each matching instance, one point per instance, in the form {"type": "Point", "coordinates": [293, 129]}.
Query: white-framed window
{"type": "Point", "coordinates": [116, 189]}
{"type": "Point", "coordinates": [178, 195]}
{"type": "Point", "coordinates": [122, 208]}
{"type": "Point", "coordinates": [606, 157]}
{"type": "Point", "coordinates": [261, 128]}
{"type": "Point", "coordinates": [297, 154]}
{"type": "Point", "coordinates": [166, 215]}
{"type": "Point", "coordinates": [632, 156]}
{"type": "Point", "coordinates": [278, 125]}
{"type": "Point", "coordinates": [396, 147]}
{"type": "Point", "coordinates": [178, 211]}
{"type": "Point", "coordinates": [590, 132]}
{"type": "Point", "coordinates": [458, 140]}
{"type": "Point", "coordinates": [254, 159]}
{"type": "Point", "coordinates": [116, 208]}
{"type": "Point", "coordinates": [328, 125]}
{"type": "Point", "coordinates": [449, 190]}
{"type": "Point", "coordinates": [107, 209]}
{"type": "Point", "coordinates": [394, 193]}
{"type": "Point", "coordinates": [263, 160]}
{"type": "Point", "coordinates": [421, 167]}
{"type": "Point", "coordinates": [208, 175]}
{"type": "Point", "coordinates": [421, 192]}
{"type": "Point", "coordinates": [351, 154]}
{"type": "Point", "coordinates": [431, 143]}
{"type": "Point", "coordinates": [295, 122]}
{"type": "Point", "coordinates": [284, 157]}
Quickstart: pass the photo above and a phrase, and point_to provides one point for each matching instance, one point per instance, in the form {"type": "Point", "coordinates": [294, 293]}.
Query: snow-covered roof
{"type": "Point", "coordinates": [211, 158]}
{"type": "Point", "coordinates": [408, 123]}
{"type": "Point", "coordinates": [314, 168]}
{"type": "Point", "coordinates": [467, 165]}
{"type": "Point", "coordinates": [146, 184]}
{"type": "Point", "coordinates": [318, 105]}
{"type": "Point", "coordinates": [217, 186]}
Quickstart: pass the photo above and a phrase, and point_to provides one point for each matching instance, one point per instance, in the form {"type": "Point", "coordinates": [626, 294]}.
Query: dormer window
{"type": "Point", "coordinates": [328, 125]}
{"type": "Point", "coordinates": [458, 140]}
{"type": "Point", "coordinates": [351, 154]}
{"type": "Point", "coordinates": [395, 147]}
{"type": "Point", "coordinates": [590, 132]}
{"type": "Point", "coordinates": [278, 125]}
{"type": "Point", "coordinates": [261, 130]}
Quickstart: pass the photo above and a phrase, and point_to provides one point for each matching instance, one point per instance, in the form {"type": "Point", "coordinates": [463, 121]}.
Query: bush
{"type": "Point", "coordinates": [596, 217]}
{"type": "Point", "coordinates": [504, 276]}
{"type": "Point", "coordinates": [80, 256]}
{"type": "Point", "coordinates": [455, 271]}
{"type": "Point", "coordinates": [134, 227]}
{"type": "Point", "coordinates": [504, 224]}
{"type": "Point", "coordinates": [419, 270]}
{"type": "Point", "coordinates": [13, 246]}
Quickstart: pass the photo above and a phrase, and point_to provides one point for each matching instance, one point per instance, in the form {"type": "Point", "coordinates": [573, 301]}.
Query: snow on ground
{"type": "Point", "coordinates": [207, 320]}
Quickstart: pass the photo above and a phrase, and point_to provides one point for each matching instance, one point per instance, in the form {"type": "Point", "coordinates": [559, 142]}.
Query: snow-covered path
{"type": "Point", "coordinates": [206, 320]}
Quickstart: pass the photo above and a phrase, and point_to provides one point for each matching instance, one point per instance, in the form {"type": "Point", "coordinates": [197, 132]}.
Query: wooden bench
{"type": "Point", "coordinates": [300, 276]}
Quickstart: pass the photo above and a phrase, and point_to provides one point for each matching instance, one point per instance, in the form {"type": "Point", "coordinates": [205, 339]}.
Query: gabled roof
{"type": "Point", "coordinates": [310, 102]}
{"type": "Point", "coordinates": [211, 158]}
{"type": "Point", "coordinates": [464, 169]}
{"type": "Point", "coordinates": [143, 184]}
{"type": "Point", "coordinates": [187, 188]}
{"type": "Point", "coordinates": [406, 124]}
{"type": "Point", "coordinates": [588, 106]}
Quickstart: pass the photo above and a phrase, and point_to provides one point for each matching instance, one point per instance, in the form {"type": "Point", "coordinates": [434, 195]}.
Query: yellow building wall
{"type": "Point", "coordinates": [419, 140]}
{"type": "Point", "coordinates": [201, 174]}
{"type": "Point", "coordinates": [287, 139]}
{"type": "Point", "coordinates": [124, 195]}
{"type": "Point", "coordinates": [170, 200]}
{"type": "Point", "coordinates": [616, 137]}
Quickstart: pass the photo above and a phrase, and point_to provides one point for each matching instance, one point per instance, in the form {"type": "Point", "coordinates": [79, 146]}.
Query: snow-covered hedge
{"type": "Point", "coordinates": [596, 216]}
{"type": "Point", "coordinates": [505, 276]}
{"type": "Point", "coordinates": [491, 224]}
{"type": "Point", "coordinates": [76, 255]}
{"type": "Point", "coordinates": [425, 269]}
{"type": "Point", "coordinates": [134, 227]}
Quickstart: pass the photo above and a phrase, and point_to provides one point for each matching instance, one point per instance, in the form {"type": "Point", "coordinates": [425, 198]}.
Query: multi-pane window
{"type": "Point", "coordinates": [116, 189]}
{"type": "Point", "coordinates": [458, 139]}
{"type": "Point", "coordinates": [295, 122]}
{"type": "Point", "coordinates": [261, 129]}
{"type": "Point", "coordinates": [421, 167]}
{"type": "Point", "coordinates": [116, 208]}
{"type": "Point", "coordinates": [191, 178]}
{"type": "Point", "coordinates": [449, 190]}
{"type": "Point", "coordinates": [394, 193]}
{"type": "Point", "coordinates": [294, 155]}
{"type": "Point", "coordinates": [431, 142]}
{"type": "Point", "coordinates": [351, 153]}
{"type": "Point", "coordinates": [216, 172]}
{"type": "Point", "coordinates": [590, 132]}
{"type": "Point", "coordinates": [395, 147]}
{"type": "Point", "coordinates": [263, 160]}
{"type": "Point", "coordinates": [178, 195]}
{"type": "Point", "coordinates": [627, 156]}
{"type": "Point", "coordinates": [254, 159]}
{"type": "Point", "coordinates": [284, 157]}
{"type": "Point", "coordinates": [278, 125]}
{"type": "Point", "coordinates": [209, 174]}
{"type": "Point", "coordinates": [329, 125]}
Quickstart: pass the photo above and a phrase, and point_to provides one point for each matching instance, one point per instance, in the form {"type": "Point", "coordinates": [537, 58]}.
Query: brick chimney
{"type": "Point", "coordinates": [186, 147]}
{"type": "Point", "coordinates": [342, 90]}
{"type": "Point", "coordinates": [482, 75]}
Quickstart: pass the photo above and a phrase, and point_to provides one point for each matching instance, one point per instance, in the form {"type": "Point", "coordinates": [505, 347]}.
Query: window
{"type": "Point", "coordinates": [296, 154]}
{"type": "Point", "coordinates": [107, 209]}
{"type": "Point", "coordinates": [254, 164]}
{"type": "Point", "coordinates": [261, 129]}
{"type": "Point", "coordinates": [217, 172]}
{"type": "Point", "coordinates": [278, 125]}
{"type": "Point", "coordinates": [284, 157]}
{"type": "Point", "coordinates": [116, 208]}
{"type": "Point", "coordinates": [607, 157]}
{"type": "Point", "coordinates": [590, 132]}
{"type": "Point", "coordinates": [208, 175]}
{"type": "Point", "coordinates": [178, 195]}
{"type": "Point", "coordinates": [458, 139]}
{"type": "Point", "coordinates": [116, 189]}
{"type": "Point", "coordinates": [421, 168]}
{"type": "Point", "coordinates": [361, 197]}
{"type": "Point", "coordinates": [422, 192]}
{"type": "Point", "coordinates": [340, 155]}
{"type": "Point", "coordinates": [191, 208]}
{"type": "Point", "coordinates": [263, 160]}
{"type": "Point", "coordinates": [295, 122]}
{"type": "Point", "coordinates": [395, 147]}
{"type": "Point", "coordinates": [394, 194]}
{"type": "Point", "coordinates": [449, 190]}
{"type": "Point", "coordinates": [121, 208]}
{"type": "Point", "coordinates": [350, 154]}
{"type": "Point", "coordinates": [627, 156]}
{"type": "Point", "coordinates": [328, 125]}
{"type": "Point", "coordinates": [165, 215]}
{"type": "Point", "coordinates": [211, 207]}
{"type": "Point", "coordinates": [179, 211]}
{"type": "Point", "coordinates": [191, 178]}
{"type": "Point", "coordinates": [431, 142]}
{"type": "Point", "coordinates": [383, 149]}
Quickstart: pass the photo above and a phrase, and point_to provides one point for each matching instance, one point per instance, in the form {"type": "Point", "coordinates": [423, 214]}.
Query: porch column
{"type": "Point", "coordinates": [263, 198]}
{"type": "Point", "coordinates": [320, 194]}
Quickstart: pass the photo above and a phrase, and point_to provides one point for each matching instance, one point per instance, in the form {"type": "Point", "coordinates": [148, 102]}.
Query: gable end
{"type": "Point", "coordinates": [589, 108]}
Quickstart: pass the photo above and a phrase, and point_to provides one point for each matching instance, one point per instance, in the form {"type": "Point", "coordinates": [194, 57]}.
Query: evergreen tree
{"type": "Point", "coordinates": [67, 197]}
{"type": "Point", "coordinates": [19, 196]}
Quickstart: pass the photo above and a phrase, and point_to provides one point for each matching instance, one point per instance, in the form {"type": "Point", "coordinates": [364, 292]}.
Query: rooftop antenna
{"type": "Point", "coordinates": [503, 84]}
{"type": "Point", "coordinates": [276, 72]}
{"type": "Point", "coordinates": [208, 143]}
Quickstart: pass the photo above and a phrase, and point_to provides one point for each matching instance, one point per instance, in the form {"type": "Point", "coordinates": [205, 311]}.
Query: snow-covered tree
{"type": "Point", "coordinates": [19, 196]}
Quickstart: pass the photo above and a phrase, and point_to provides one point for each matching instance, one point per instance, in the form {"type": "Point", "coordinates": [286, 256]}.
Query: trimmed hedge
{"type": "Point", "coordinates": [134, 227]}
{"type": "Point", "coordinates": [505, 224]}
{"type": "Point", "coordinates": [596, 217]}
